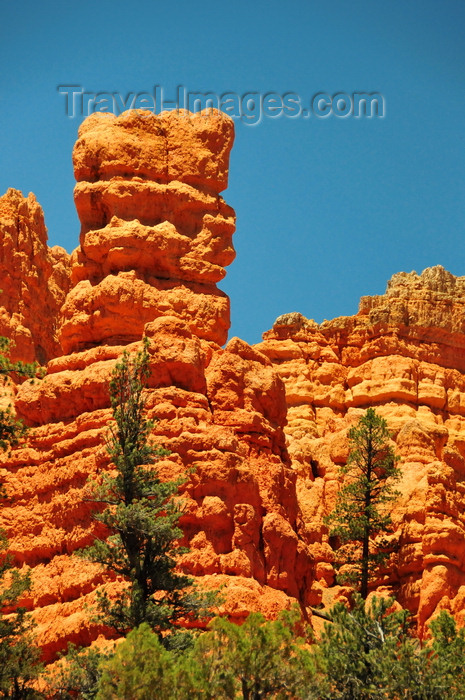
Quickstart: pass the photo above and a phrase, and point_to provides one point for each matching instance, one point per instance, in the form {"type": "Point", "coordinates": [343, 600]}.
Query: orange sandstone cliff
{"type": "Point", "coordinates": [264, 426]}
{"type": "Point", "coordinates": [34, 280]}
{"type": "Point", "coordinates": [404, 354]}
{"type": "Point", "coordinates": [155, 238]}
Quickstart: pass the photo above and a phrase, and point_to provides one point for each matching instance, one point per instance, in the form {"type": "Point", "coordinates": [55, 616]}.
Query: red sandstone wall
{"type": "Point", "coordinates": [155, 238]}
{"type": "Point", "coordinates": [34, 280]}
{"type": "Point", "coordinates": [403, 353]}
{"type": "Point", "coordinates": [265, 427]}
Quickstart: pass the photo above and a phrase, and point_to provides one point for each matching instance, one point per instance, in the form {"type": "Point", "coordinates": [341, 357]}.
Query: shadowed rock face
{"type": "Point", "coordinates": [404, 354]}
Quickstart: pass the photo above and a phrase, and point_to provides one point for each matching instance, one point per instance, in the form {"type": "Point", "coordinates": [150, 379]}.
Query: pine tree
{"type": "Point", "coordinates": [259, 659]}
{"type": "Point", "coordinates": [369, 651]}
{"type": "Point", "coordinates": [255, 660]}
{"type": "Point", "coordinates": [141, 516]}
{"type": "Point", "coordinates": [361, 514]}
{"type": "Point", "coordinates": [446, 661]}
{"type": "Point", "coordinates": [140, 669]}
{"type": "Point", "coordinates": [19, 657]}
{"type": "Point", "coordinates": [77, 675]}
{"type": "Point", "coordinates": [365, 650]}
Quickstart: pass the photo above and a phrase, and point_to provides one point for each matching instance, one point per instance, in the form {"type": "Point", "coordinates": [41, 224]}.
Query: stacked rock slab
{"type": "Point", "coordinates": [404, 355]}
{"type": "Point", "coordinates": [155, 234]}
{"type": "Point", "coordinates": [155, 238]}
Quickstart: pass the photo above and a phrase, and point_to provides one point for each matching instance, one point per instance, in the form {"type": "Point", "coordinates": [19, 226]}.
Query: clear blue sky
{"type": "Point", "coordinates": [327, 209]}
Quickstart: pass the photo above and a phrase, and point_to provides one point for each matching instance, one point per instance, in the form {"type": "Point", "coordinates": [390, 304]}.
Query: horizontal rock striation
{"type": "Point", "coordinates": [220, 413]}
{"type": "Point", "coordinates": [155, 238]}
{"type": "Point", "coordinates": [259, 432]}
{"type": "Point", "coordinates": [34, 280]}
{"type": "Point", "coordinates": [155, 233]}
{"type": "Point", "coordinates": [403, 353]}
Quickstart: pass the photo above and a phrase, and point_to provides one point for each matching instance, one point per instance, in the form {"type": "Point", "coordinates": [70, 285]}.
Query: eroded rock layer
{"type": "Point", "coordinates": [219, 412]}
{"type": "Point", "coordinates": [155, 235]}
{"type": "Point", "coordinates": [155, 238]}
{"type": "Point", "coordinates": [34, 280]}
{"type": "Point", "coordinates": [260, 430]}
{"type": "Point", "coordinates": [404, 354]}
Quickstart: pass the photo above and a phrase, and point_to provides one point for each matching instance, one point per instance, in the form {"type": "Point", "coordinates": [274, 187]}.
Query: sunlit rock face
{"type": "Point", "coordinates": [404, 355]}
{"type": "Point", "coordinates": [155, 233]}
{"type": "Point", "coordinates": [260, 431]}
{"type": "Point", "coordinates": [155, 239]}
{"type": "Point", "coordinates": [34, 280]}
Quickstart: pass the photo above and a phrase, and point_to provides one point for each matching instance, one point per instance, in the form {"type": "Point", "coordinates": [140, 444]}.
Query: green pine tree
{"type": "Point", "coordinates": [141, 516]}
{"type": "Point", "coordinates": [19, 656]}
{"type": "Point", "coordinates": [361, 513]}
{"type": "Point", "coordinates": [77, 675]}
{"type": "Point", "coordinates": [255, 660]}
{"type": "Point", "coordinates": [359, 648]}
{"type": "Point", "coordinates": [446, 656]}
{"type": "Point", "coordinates": [140, 669]}
{"type": "Point", "coordinates": [370, 652]}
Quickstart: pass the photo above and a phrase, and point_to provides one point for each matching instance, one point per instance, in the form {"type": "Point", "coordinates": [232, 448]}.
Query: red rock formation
{"type": "Point", "coordinates": [155, 239]}
{"type": "Point", "coordinates": [155, 234]}
{"type": "Point", "coordinates": [403, 353]}
{"type": "Point", "coordinates": [221, 411]}
{"type": "Point", "coordinates": [34, 280]}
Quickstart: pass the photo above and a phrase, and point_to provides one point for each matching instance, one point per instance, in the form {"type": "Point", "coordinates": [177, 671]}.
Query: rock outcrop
{"type": "Point", "coordinates": [260, 430]}
{"type": "Point", "coordinates": [34, 280]}
{"type": "Point", "coordinates": [155, 234]}
{"type": "Point", "coordinates": [403, 353]}
{"type": "Point", "coordinates": [155, 238]}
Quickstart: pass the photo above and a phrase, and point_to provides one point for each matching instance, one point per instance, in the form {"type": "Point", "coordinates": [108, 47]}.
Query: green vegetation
{"type": "Point", "coordinates": [8, 367]}
{"type": "Point", "coordinates": [141, 516]}
{"type": "Point", "coordinates": [367, 652]}
{"type": "Point", "coordinates": [360, 517]}
{"type": "Point", "coordinates": [19, 658]}
{"type": "Point", "coordinates": [141, 669]}
{"type": "Point", "coordinates": [78, 674]}
{"type": "Point", "coordinates": [256, 660]}
{"type": "Point", "coordinates": [11, 429]}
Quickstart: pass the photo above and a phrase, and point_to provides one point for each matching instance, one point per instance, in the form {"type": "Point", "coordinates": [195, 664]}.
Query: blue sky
{"type": "Point", "coordinates": [327, 209]}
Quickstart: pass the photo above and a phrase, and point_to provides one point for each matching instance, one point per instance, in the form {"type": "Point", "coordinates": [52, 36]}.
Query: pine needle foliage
{"type": "Point", "coordinates": [366, 652]}
{"type": "Point", "coordinates": [140, 669]}
{"type": "Point", "coordinates": [77, 675]}
{"type": "Point", "coordinates": [255, 660]}
{"type": "Point", "coordinates": [141, 515]}
{"type": "Point", "coordinates": [361, 516]}
{"type": "Point", "coordinates": [25, 369]}
{"type": "Point", "coordinates": [19, 656]}
{"type": "Point", "coordinates": [260, 659]}
{"type": "Point", "coordinates": [12, 429]}
{"type": "Point", "coordinates": [369, 651]}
